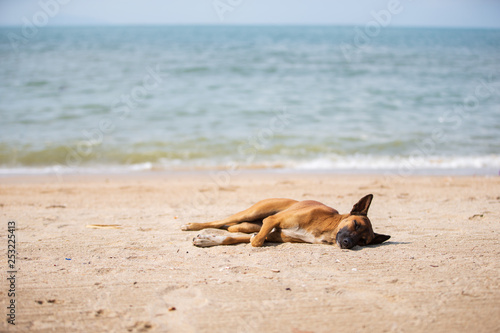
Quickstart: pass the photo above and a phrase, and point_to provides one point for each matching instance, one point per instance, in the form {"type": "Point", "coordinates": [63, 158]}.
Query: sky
{"type": "Point", "coordinates": [431, 13]}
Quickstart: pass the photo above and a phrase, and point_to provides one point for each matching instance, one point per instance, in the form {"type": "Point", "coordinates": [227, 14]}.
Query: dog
{"type": "Point", "coordinates": [287, 220]}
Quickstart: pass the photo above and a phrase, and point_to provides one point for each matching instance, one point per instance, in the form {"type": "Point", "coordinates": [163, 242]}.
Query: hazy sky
{"type": "Point", "coordinates": [447, 13]}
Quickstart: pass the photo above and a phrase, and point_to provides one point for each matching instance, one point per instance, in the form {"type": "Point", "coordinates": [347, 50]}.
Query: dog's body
{"type": "Point", "coordinates": [287, 220]}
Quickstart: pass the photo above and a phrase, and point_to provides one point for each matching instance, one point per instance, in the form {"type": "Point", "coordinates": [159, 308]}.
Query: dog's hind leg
{"type": "Point", "coordinates": [214, 240]}
{"type": "Point", "coordinates": [257, 212]}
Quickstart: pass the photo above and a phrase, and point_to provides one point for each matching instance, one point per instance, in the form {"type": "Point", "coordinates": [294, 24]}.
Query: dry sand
{"type": "Point", "coordinates": [440, 271]}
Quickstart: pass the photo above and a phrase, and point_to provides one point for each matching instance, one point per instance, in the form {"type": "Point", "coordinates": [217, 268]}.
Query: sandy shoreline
{"type": "Point", "coordinates": [439, 272]}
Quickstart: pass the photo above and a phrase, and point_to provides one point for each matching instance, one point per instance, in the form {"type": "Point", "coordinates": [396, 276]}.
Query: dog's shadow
{"type": "Point", "coordinates": [356, 248]}
{"type": "Point", "coordinates": [359, 248]}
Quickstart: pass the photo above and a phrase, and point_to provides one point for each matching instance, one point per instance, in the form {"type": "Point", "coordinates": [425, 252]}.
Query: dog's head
{"type": "Point", "coordinates": [356, 228]}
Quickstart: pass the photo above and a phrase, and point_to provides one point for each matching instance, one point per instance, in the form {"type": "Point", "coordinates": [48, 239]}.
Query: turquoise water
{"type": "Point", "coordinates": [197, 97]}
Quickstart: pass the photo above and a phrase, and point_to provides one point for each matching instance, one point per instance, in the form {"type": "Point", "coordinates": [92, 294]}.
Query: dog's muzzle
{"type": "Point", "coordinates": [345, 241]}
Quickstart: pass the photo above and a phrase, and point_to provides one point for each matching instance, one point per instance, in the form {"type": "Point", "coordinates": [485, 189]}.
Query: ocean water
{"type": "Point", "coordinates": [244, 97]}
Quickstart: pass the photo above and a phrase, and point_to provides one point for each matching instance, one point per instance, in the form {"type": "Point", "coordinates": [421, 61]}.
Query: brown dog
{"type": "Point", "coordinates": [286, 220]}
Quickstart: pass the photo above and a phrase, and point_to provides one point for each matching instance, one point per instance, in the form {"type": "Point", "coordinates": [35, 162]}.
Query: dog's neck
{"type": "Point", "coordinates": [331, 225]}
{"type": "Point", "coordinates": [330, 236]}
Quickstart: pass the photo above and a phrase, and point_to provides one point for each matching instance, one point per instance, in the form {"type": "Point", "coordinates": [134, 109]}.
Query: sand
{"type": "Point", "coordinates": [440, 271]}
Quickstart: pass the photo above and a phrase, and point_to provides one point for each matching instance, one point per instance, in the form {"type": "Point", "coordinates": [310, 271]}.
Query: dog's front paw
{"type": "Point", "coordinates": [208, 240]}
{"type": "Point", "coordinates": [255, 242]}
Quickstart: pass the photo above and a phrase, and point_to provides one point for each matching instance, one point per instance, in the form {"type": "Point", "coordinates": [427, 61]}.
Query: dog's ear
{"type": "Point", "coordinates": [379, 238]}
{"type": "Point", "coordinates": [361, 207]}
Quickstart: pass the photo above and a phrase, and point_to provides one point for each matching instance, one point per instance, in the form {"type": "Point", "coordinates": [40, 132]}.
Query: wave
{"type": "Point", "coordinates": [367, 162]}
{"type": "Point", "coordinates": [487, 164]}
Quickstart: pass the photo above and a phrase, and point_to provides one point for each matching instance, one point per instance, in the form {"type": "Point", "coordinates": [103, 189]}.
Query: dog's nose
{"type": "Point", "coordinates": [347, 243]}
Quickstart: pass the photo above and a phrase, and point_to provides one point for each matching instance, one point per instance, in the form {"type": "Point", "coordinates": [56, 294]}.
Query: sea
{"type": "Point", "coordinates": [304, 98]}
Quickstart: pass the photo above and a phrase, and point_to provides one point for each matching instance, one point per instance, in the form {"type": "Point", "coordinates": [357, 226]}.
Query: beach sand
{"type": "Point", "coordinates": [440, 271]}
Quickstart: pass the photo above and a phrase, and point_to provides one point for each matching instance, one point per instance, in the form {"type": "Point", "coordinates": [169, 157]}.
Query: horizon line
{"type": "Point", "coordinates": [217, 24]}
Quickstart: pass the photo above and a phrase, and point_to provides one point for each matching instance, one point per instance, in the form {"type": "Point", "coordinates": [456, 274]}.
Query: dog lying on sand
{"type": "Point", "coordinates": [287, 220]}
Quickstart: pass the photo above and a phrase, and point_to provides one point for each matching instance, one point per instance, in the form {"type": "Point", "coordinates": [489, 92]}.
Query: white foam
{"type": "Point", "coordinates": [361, 162]}
{"type": "Point", "coordinates": [487, 164]}
{"type": "Point", "coordinates": [65, 170]}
